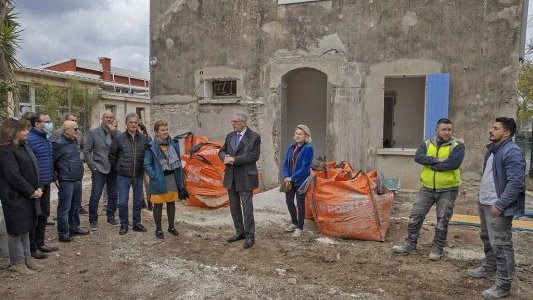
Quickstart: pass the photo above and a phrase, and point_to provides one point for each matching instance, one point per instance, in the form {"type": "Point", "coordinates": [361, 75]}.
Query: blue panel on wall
{"type": "Point", "coordinates": [437, 98]}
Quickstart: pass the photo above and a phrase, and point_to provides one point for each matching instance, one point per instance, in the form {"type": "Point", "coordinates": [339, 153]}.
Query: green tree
{"type": "Point", "coordinates": [82, 103]}
{"type": "Point", "coordinates": [9, 44]}
{"type": "Point", "coordinates": [524, 113]}
{"type": "Point", "coordinates": [74, 98]}
{"type": "Point", "coordinates": [525, 92]}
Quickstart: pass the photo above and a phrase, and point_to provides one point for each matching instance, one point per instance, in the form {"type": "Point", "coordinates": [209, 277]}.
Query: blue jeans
{"type": "Point", "coordinates": [445, 202]}
{"type": "Point", "coordinates": [124, 184]}
{"type": "Point", "coordinates": [99, 180]}
{"type": "Point", "coordinates": [68, 207]}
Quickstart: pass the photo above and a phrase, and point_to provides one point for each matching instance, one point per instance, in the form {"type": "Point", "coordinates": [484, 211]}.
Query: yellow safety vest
{"type": "Point", "coordinates": [440, 180]}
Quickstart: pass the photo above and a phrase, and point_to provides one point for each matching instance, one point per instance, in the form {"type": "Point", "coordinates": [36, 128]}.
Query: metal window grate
{"type": "Point", "coordinates": [224, 88]}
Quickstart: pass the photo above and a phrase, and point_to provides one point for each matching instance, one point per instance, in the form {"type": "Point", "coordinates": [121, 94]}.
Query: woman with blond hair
{"type": "Point", "coordinates": [19, 179]}
{"type": "Point", "coordinates": [296, 168]}
{"type": "Point", "coordinates": [162, 163]}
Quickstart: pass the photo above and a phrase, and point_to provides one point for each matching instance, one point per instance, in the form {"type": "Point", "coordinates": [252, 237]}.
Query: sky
{"type": "Point", "coordinates": [55, 30]}
{"type": "Point", "coordinates": [87, 29]}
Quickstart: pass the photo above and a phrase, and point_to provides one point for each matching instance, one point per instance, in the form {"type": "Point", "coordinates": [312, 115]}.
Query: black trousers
{"type": "Point", "coordinates": [297, 217]}
{"type": "Point", "coordinates": [39, 230]}
{"type": "Point", "coordinates": [242, 212]}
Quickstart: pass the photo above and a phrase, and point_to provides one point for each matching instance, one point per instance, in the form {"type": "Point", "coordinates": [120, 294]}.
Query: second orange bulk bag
{"type": "Point", "coordinates": [345, 203]}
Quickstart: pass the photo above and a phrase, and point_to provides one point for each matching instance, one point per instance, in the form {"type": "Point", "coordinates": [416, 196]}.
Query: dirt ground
{"type": "Point", "coordinates": [199, 264]}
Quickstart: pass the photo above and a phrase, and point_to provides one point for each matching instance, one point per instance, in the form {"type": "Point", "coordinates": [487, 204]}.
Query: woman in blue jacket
{"type": "Point", "coordinates": [296, 168]}
{"type": "Point", "coordinates": [162, 163]}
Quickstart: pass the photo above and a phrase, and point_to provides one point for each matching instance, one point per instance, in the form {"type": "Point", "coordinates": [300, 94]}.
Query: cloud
{"type": "Point", "coordinates": [62, 29]}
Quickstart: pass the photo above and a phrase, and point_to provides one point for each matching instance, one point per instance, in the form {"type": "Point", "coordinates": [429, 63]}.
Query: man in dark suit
{"type": "Point", "coordinates": [240, 152]}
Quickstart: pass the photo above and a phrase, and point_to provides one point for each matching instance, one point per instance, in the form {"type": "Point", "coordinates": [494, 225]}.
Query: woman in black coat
{"type": "Point", "coordinates": [19, 179]}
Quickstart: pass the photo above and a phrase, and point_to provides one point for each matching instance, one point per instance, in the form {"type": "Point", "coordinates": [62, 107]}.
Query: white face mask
{"type": "Point", "coordinates": [48, 127]}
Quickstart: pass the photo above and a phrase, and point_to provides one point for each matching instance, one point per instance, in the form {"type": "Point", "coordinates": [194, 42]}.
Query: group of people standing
{"type": "Point", "coordinates": [33, 157]}
{"type": "Point", "coordinates": [119, 161]}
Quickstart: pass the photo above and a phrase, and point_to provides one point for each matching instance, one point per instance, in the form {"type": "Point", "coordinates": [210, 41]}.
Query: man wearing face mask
{"type": "Point", "coordinates": [42, 148]}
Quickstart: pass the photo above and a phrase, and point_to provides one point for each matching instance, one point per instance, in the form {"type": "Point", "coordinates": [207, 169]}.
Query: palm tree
{"type": "Point", "coordinates": [9, 44]}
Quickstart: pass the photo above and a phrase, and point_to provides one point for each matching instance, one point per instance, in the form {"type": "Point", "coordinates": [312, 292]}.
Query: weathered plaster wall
{"type": "Point", "coordinates": [356, 44]}
{"type": "Point", "coordinates": [123, 106]}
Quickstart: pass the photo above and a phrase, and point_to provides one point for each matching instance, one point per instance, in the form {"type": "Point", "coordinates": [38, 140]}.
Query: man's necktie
{"type": "Point", "coordinates": [237, 140]}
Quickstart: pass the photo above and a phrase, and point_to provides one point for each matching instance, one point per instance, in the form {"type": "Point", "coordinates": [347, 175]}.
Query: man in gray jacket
{"type": "Point", "coordinates": [96, 153]}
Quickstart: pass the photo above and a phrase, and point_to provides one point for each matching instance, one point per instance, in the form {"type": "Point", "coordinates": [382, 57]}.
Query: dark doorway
{"type": "Point", "coordinates": [304, 101]}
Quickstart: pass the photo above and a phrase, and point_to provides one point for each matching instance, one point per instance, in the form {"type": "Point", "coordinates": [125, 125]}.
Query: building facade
{"type": "Point", "coordinates": [370, 78]}
{"type": "Point", "coordinates": [121, 91]}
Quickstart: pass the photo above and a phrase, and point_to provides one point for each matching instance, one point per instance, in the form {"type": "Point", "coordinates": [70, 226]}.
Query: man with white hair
{"type": "Point", "coordinates": [240, 153]}
{"type": "Point", "coordinates": [126, 155]}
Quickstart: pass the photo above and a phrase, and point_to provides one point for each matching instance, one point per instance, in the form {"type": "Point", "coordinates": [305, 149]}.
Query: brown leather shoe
{"type": "Point", "coordinates": [38, 254]}
{"type": "Point", "coordinates": [48, 249]}
{"type": "Point", "coordinates": [33, 265]}
{"type": "Point", "coordinates": [235, 238]}
{"type": "Point", "coordinates": [248, 243]}
{"type": "Point", "coordinates": [21, 269]}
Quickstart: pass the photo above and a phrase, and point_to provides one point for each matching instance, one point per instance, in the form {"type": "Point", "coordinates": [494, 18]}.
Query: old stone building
{"type": "Point", "coordinates": [369, 77]}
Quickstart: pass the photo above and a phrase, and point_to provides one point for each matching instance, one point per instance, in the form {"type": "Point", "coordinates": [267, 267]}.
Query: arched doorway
{"type": "Point", "coordinates": [304, 101]}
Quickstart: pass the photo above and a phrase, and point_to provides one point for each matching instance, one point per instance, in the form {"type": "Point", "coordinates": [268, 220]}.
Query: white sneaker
{"type": "Point", "coordinates": [297, 233]}
{"type": "Point", "coordinates": [291, 228]}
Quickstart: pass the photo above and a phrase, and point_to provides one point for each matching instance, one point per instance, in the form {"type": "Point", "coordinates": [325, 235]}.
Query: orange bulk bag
{"type": "Point", "coordinates": [326, 170]}
{"type": "Point", "coordinates": [345, 203]}
{"type": "Point", "coordinates": [204, 172]}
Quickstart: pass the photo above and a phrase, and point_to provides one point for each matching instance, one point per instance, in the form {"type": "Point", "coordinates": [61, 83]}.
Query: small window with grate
{"type": "Point", "coordinates": [224, 88]}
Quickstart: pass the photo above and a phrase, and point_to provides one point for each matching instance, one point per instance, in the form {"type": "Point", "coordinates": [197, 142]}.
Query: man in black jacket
{"type": "Point", "coordinates": [69, 169]}
{"type": "Point", "coordinates": [240, 153]}
{"type": "Point", "coordinates": [126, 156]}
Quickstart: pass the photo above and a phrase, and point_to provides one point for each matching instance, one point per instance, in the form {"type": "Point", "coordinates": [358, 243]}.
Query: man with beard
{"type": "Point", "coordinates": [96, 153]}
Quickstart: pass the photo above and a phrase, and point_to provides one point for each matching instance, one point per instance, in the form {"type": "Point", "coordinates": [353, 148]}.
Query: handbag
{"type": "Point", "coordinates": [285, 186]}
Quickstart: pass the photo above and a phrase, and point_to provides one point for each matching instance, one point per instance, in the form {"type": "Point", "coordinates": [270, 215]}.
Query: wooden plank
{"type": "Point", "coordinates": [474, 221]}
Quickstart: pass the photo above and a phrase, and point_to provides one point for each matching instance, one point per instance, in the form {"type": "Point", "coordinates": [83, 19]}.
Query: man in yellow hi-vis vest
{"type": "Point", "coordinates": [440, 157]}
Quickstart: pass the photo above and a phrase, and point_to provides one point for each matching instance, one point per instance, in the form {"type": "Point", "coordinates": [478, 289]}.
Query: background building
{"type": "Point", "coordinates": [370, 78]}
{"type": "Point", "coordinates": [121, 91]}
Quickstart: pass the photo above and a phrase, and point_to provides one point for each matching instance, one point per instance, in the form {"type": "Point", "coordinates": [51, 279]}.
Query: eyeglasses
{"type": "Point", "coordinates": [75, 129]}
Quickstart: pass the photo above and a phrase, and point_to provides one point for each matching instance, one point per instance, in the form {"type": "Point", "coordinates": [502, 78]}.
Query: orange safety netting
{"type": "Point", "coordinates": [345, 203]}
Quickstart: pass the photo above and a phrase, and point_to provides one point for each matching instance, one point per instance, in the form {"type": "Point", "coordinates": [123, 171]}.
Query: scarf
{"type": "Point", "coordinates": [295, 151]}
{"type": "Point", "coordinates": [168, 158]}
